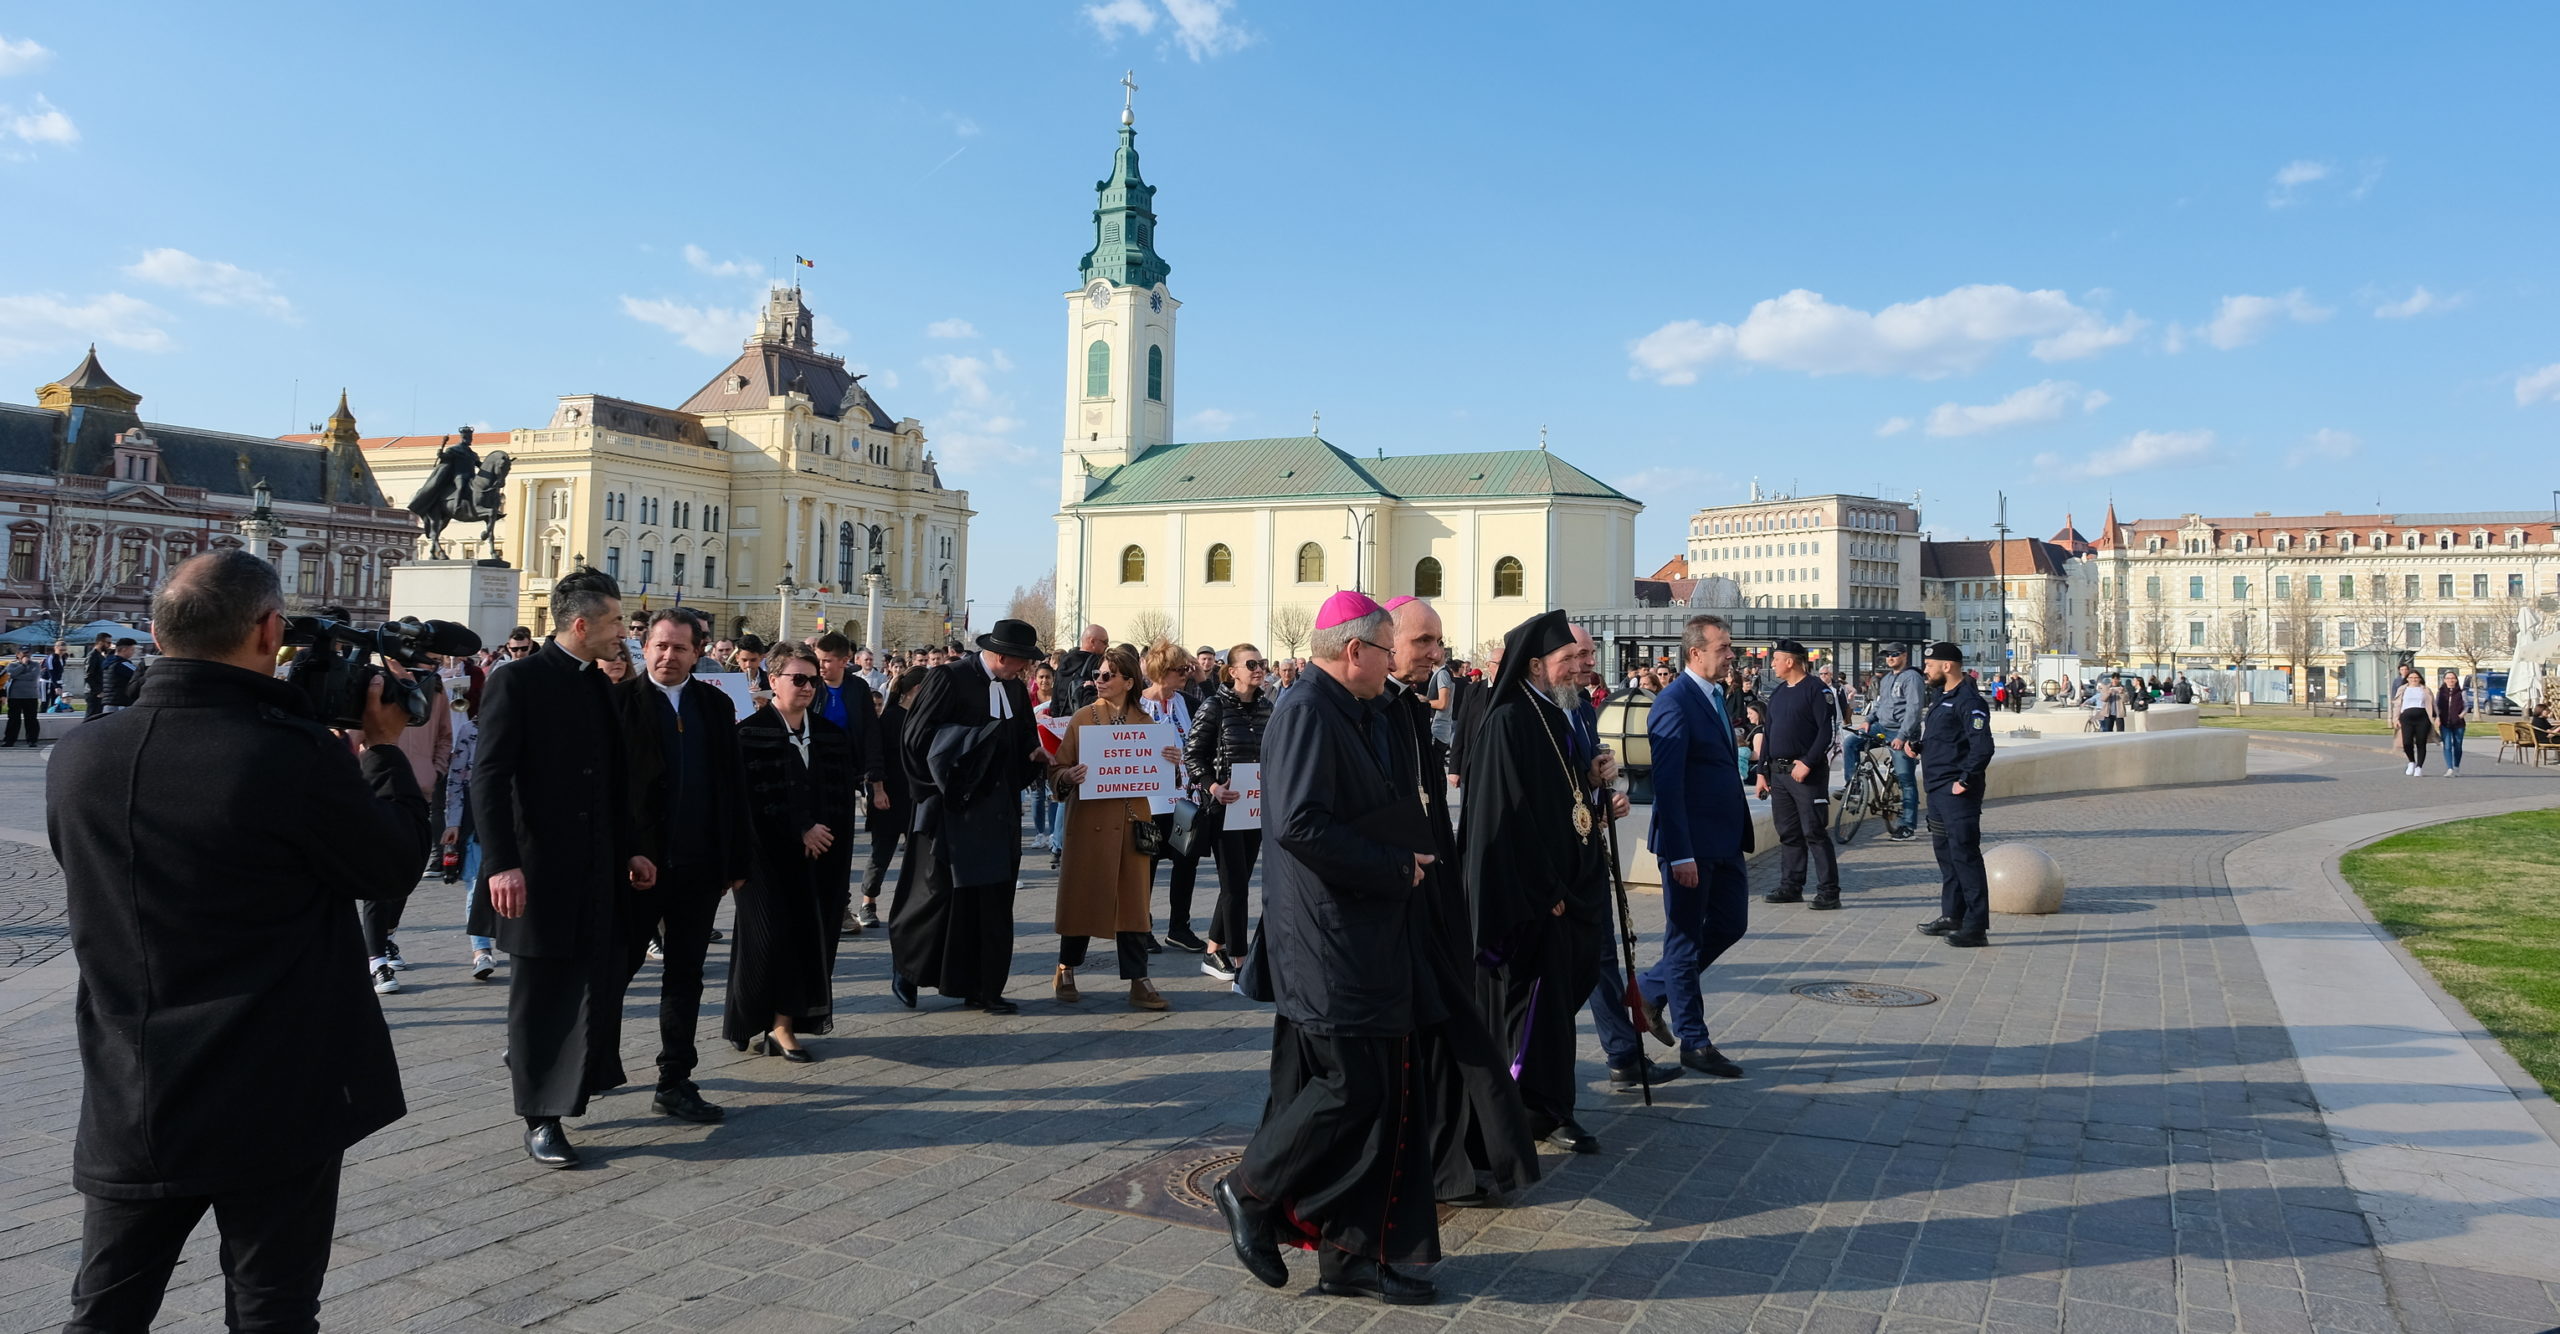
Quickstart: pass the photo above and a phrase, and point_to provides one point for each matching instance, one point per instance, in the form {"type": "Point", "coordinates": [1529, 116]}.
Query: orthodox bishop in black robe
{"type": "Point", "coordinates": [1534, 860]}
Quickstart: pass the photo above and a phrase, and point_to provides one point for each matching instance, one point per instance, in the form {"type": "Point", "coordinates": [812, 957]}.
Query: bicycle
{"type": "Point", "coordinates": [1872, 790]}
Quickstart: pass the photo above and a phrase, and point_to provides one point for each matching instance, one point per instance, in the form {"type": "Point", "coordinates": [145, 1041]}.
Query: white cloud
{"type": "Point", "coordinates": [962, 126]}
{"type": "Point", "coordinates": [955, 327]}
{"type": "Point", "coordinates": [967, 376]}
{"type": "Point", "coordinates": [2140, 451]}
{"type": "Point", "coordinates": [42, 123]}
{"type": "Point", "coordinates": [702, 262]}
{"type": "Point", "coordinates": [1114, 17]}
{"type": "Point", "coordinates": [705, 329]}
{"type": "Point", "coordinates": [1666, 481]}
{"type": "Point", "coordinates": [2289, 179]}
{"type": "Point", "coordinates": [1893, 426]}
{"type": "Point", "coordinates": [2418, 302]}
{"type": "Point", "coordinates": [210, 281]}
{"type": "Point", "coordinates": [2242, 320]}
{"type": "Point", "coordinates": [830, 334]}
{"type": "Point", "coordinates": [2539, 386]}
{"type": "Point", "coordinates": [1211, 421]}
{"type": "Point", "coordinates": [2322, 445]}
{"type": "Point", "coordinates": [46, 321]}
{"type": "Point", "coordinates": [877, 379]}
{"type": "Point", "coordinates": [966, 441]}
{"type": "Point", "coordinates": [22, 56]}
{"type": "Point", "coordinates": [1202, 28]}
{"type": "Point", "coordinates": [2368, 176]}
{"type": "Point", "coordinates": [2047, 401]}
{"type": "Point", "coordinates": [1925, 339]}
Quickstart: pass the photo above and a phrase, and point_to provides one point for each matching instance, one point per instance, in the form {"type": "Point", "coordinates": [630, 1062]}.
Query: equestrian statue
{"type": "Point", "coordinates": [462, 489]}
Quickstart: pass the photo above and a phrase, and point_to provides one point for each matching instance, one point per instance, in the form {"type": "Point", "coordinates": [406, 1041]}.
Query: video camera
{"type": "Point", "coordinates": [337, 662]}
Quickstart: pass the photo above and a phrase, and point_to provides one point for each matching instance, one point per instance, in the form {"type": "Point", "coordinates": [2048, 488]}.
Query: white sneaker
{"type": "Point", "coordinates": [391, 955]}
{"type": "Point", "coordinates": [385, 982]}
{"type": "Point", "coordinates": [657, 953]}
{"type": "Point", "coordinates": [483, 963]}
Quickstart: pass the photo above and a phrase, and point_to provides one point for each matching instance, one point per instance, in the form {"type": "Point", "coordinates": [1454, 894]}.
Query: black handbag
{"type": "Point", "coordinates": [1194, 827]}
{"type": "Point", "coordinates": [1148, 839]}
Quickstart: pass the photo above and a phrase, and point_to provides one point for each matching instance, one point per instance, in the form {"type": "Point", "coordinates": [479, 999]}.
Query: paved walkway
{"type": "Point", "coordinates": [2103, 1125]}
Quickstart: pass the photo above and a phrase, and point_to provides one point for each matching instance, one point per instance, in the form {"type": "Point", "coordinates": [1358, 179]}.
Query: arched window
{"type": "Point", "coordinates": [1097, 370]}
{"type": "Point", "coordinates": [1133, 560]}
{"type": "Point", "coordinates": [1221, 565]}
{"type": "Point", "coordinates": [1310, 563]}
{"type": "Point", "coordinates": [1508, 577]}
{"type": "Point", "coordinates": [1426, 577]}
{"type": "Point", "coordinates": [1155, 373]}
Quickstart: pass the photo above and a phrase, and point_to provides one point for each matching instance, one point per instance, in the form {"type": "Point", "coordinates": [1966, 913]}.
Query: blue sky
{"type": "Point", "coordinates": [2226, 258]}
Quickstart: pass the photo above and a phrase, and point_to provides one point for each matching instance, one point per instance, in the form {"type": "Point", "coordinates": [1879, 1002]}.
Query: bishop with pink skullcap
{"type": "Point", "coordinates": [1348, 605]}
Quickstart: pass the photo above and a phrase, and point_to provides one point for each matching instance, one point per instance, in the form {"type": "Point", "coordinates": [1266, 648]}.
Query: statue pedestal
{"type": "Point", "coordinates": [477, 593]}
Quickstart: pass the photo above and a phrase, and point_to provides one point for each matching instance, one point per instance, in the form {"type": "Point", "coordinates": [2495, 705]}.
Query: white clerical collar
{"type": "Point", "coordinates": [674, 694]}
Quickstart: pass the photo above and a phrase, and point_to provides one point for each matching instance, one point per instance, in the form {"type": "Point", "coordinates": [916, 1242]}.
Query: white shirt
{"type": "Point", "coordinates": [2416, 697]}
{"type": "Point", "coordinates": [674, 694]}
{"type": "Point", "coordinates": [800, 739]}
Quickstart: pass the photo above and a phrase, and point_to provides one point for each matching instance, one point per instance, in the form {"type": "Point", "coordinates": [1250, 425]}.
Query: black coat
{"type": "Point", "coordinates": [1519, 853]}
{"type": "Point", "coordinates": [1340, 951]}
{"type": "Point", "coordinates": [548, 799]}
{"type": "Point", "coordinates": [893, 775]}
{"type": "Point", "coordinates": [642, 708]}
{"type": "Point", "coordinates": [784, 799]}
{"type": "Point", "coordinates": [214, 840]}
{"type": "Point", "coordinates": [956, 694]}
{"type": "Point", "coordinates": [1226, 732]}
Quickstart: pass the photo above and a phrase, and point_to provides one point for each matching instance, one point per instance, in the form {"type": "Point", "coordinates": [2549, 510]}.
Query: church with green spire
{"type": "Point", "coordinates": [1229, 541]}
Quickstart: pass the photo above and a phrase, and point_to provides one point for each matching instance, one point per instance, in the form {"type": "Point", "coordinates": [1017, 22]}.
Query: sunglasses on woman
{"type": "Point", "coordinates": [799, 679]}
{"type": "Point", "coordinates": [1253, 666]}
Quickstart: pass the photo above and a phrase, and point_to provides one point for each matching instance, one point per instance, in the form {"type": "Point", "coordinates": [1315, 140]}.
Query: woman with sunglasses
{"type": "Point", "coordinates": [1229, 733]}
{"type": "Point", "coordinates": [799, 803]}
{"type": "Point", "coordinates": [1104, 880]}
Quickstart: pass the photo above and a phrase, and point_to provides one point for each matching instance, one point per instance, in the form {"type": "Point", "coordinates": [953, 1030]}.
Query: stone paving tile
{"type": "Point", "coordinates": [2099, 1127]}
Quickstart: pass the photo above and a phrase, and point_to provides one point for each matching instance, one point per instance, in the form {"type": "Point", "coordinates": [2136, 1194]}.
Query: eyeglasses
{"type": "Point", "coordinates": [519, 650]}
{"type": "Point", "coordinates": [1100, 677]}
{"type": "Point", "coordinates": [798, 679]}
{"type": "Point", "coordinates": [1253, 666]}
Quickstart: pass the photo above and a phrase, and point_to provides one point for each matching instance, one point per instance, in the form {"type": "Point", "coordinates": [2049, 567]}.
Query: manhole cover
{"type": "Point", "coordinates": [1864, 993]}
{"type": "Point", "coordinates": [1172, 1187]}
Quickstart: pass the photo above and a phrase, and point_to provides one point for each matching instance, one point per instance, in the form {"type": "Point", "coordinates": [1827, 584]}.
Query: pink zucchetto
{"type": "Point", "coordinates": [1347, 605]}
{"type": "Point", "coordinates": [1397, 602]}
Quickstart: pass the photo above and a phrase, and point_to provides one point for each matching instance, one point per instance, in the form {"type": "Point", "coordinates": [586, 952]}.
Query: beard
{"type": "Point", "coordinates": [1558, 693]}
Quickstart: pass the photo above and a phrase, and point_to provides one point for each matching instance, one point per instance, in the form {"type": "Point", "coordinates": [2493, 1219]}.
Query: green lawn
{"type": "Point", "coordinates": [2279, 718]}
{"type": "Point", "coordinates": [2473, 900]}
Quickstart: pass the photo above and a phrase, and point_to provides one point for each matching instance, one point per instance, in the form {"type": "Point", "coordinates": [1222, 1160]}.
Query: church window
{"type": "Point", "coordinates": [1155, 373]}
{"type": "Point", "coordinates": [1133, 562]}
{"type": "Point", "coordinates": [1097, 370]}
{"type": "Point", "coordinates": [1310, 563]}
{"type": "Point", "coordinates": [1222, 564]}
{"type": "Point", "coordinates": [1508, 577]}
{"type": "Point", "coordinates": [1426, 577]}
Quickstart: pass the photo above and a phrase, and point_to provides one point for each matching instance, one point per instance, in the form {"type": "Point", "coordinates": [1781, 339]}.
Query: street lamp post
{"type": "Point", "coordinates": [1360, 530]}
{"type": "Point", "coordinates": [2001, 563]}
{"type": "Point", "coordinates": [784, 590]}
{"type": "Point", "coordinates": [259, 529]}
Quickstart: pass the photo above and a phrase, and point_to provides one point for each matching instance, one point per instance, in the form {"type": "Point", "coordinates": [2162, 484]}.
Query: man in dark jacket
{"type": "Point", "coordinates": [229, 1049]}
{"type": "Point", "coordinates": [845, 699]}
{"type": "Point", "coordinates": [1343, 1156]}
{"type": "Point", "coordinates": [100, 651]}
{"type": "Point", "coordinates": [557, 843]}
{"type": "Point", "coordinates": [1074, 676]}
{"type": "Point", "coordinates": [957, 935]}
{"type": "Point", "coordinates": [688, 800]}
{"type": "Point", "coordinates": [1955, 760]}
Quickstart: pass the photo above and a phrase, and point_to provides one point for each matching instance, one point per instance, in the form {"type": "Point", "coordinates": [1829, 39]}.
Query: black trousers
{"type": "Point", "coordinates": [1186, 878]}
{"type": "Point", "coordinates": [1955, 834]}
{"type": "Point", "coordinates": [687, 898]}
{"type": "Point", "coordinates": [1342, 1159]}
{"type": "Point", "coordinates": [1236, 852]}
{"type": "Point", "coordinates": [1530, 1004]}
{"type": "Point", "coordinates": [381, 917]}
{"type": "Point", "coordinates": [22, 712]}
{"type": "Point", "coordinates": [957, 940]}
{"type": "Point", "coordinates": [884, 852]}
{"type": "Point", "coordinates": [1132, 947]}
{"type": "Point", "coordinates": [564, 1028]}
{"type": "Point", "coordinates": [275, 1251]}
{"type": "Point", "coordinates": [1802, 812]}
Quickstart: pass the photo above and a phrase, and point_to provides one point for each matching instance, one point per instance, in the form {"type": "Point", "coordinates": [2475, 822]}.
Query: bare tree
{"type": "Point", "coordinates": [1290, 627]}
{"type": "Point", "coordinates": [2155, 625]}
{"type": "Point", "coordinates": [2293, 621]}
{"type": "Point", "coordinates": [1148, 626]}
{"type": "Point", "coordinates": [76, 579]}
{"type": "Point", "coordinates": [2487, 637]}
{"type": "Point", "coordinates": [1037, 606]}
{"type": "Point", "coordinates": [2240, 640]}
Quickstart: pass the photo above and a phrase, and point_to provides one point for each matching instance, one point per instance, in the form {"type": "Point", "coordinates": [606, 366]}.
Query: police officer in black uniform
{"type": "Point", "coordinates": [1795, 763]}
{"type": "Point", "coordinates": [1955, 752]}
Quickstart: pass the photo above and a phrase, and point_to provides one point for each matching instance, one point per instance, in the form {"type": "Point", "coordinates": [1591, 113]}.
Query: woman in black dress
{"type": "Point", "coordinates": [800, 802]}
{"type": "Point", "coordinates": [888, 824]}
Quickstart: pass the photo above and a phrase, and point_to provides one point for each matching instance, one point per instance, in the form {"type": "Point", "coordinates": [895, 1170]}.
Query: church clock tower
{"type": "Point", "coordinates": [1120, 358]}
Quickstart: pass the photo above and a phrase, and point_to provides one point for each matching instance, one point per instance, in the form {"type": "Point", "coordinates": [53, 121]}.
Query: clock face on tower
{"type": "Point", "coordinates": [1155, 302]}
{"type": "Point", "coordinates": [1098, 295]}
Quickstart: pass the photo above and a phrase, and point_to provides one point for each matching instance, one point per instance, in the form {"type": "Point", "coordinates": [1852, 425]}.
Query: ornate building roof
{"type": "Point", "coordinates": [1124, 220]}
{"type": "Point", "coordinates": [782, 357]}
{"type": "Point", "coordinates": [1309, 467]}
{"type": "Point", "coordinates": [79, 437]}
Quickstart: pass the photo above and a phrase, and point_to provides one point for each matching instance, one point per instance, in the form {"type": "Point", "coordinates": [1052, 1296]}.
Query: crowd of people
{"type": "Point", "coordinates": [1439, 894]}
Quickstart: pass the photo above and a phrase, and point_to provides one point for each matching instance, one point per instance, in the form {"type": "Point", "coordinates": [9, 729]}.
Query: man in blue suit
{"type": "Point", "coordinates": [1701, 832]}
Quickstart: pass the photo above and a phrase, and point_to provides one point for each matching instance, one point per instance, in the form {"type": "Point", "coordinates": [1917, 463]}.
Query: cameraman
{"type": "Point", "coordinates": [211, 839]}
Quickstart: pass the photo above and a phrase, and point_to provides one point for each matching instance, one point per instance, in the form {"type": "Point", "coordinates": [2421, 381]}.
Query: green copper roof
{"type": "Point", "coordinates": [1124, 223]}
{"type": "Point", "coordinates": [1306, 467]}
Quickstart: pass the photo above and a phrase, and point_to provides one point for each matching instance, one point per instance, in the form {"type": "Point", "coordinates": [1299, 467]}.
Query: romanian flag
{"type": "Point", "coordinates": [804, 263]}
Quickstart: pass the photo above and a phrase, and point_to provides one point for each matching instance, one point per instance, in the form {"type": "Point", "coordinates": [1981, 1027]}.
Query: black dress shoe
{"type": "Point", "coordinates": [903, 989]}
{"type": "Point", "coordinates": [1181, 938]}
{"type": "Point", "coordinates": [1939, 927]}
{"type": "Point", "coordinates": [549, 1145]}
{"type": "Point", "coordinates": [1783, 896]}
{"type": "Point", "coordinates": [1655, 1074]}
{"type": "Point", "coordinates": [1154, 946]}
{"type": "Point", "coordinates": [1968, 940]}
{"type": "Point", "coordinates": [1708, 1061]}
{"type": "Point", "coordinates": [1368, 1278]}
{"type": "Point", "coordinates": [1572, 1138]}
{"type": "Point", "coordinates": [1824, 903]}
{"type": "Point", "coordinates": [1658, 1020]}
{"type": "Point", "coordinates": [766, 1046]}
{"type": "Point", "coordinates": [1249, 1232]}
{"type": "Point", "coordinates": [687, 1105]}
{"type": "Point", "coordinates": [999, 1005]}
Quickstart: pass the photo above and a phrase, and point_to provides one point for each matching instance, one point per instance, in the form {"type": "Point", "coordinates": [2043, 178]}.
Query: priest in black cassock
{"type": "Point", "coordinates": [1480, 1140]}
{"type": "Point", "coordinates": [1342, 1160]}
{"type": "Point", "coordinates": [1535, 862]}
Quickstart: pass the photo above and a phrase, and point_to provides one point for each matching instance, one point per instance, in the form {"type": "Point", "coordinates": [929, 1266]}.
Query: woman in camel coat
{"type": "Point", "coordinates": [1103, 879]}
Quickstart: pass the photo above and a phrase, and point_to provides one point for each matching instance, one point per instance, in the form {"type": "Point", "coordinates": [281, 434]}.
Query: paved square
{"type": "Point", "coordinates": [2101, 1126]}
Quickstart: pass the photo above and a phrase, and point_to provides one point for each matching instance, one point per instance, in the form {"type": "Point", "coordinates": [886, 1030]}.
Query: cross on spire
{"type": "Point", "coordinates": [1319, 426]}
{"type": "Point", "coordinates": [1128, 97]}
